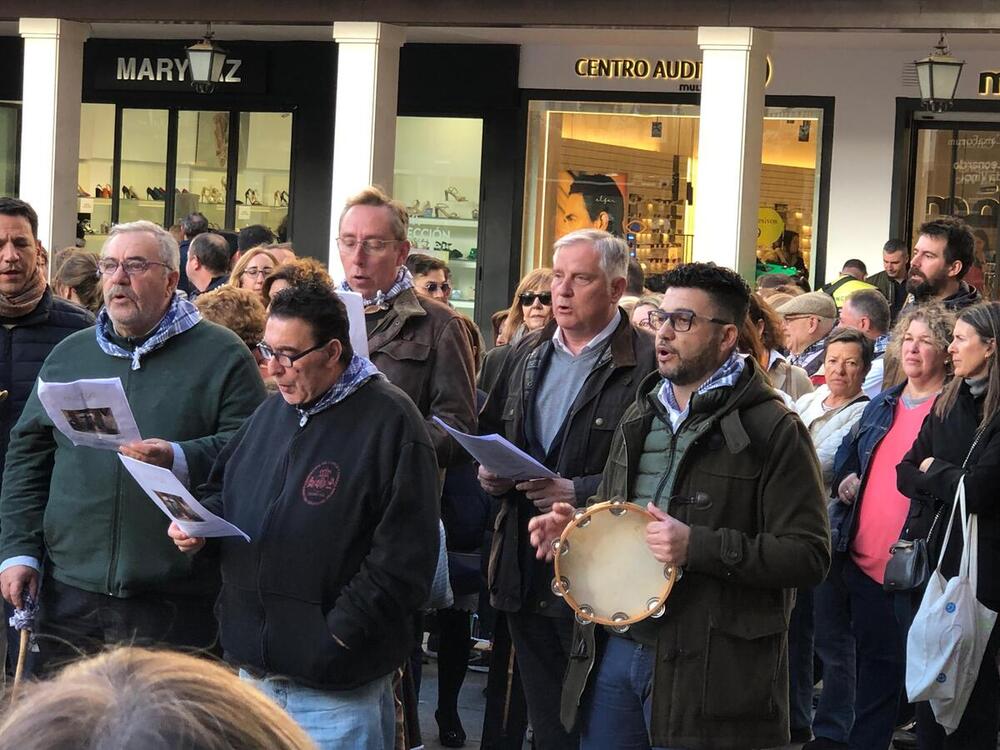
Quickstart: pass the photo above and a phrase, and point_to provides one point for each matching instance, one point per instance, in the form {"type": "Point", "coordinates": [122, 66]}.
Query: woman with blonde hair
{"type": "Point", "coordinates": [77, 280]}
{"type": "Point", "coordinates": [154, 700]}
{"type": "Point", "coordinates": [253, 267]}
{"type": "Point", "coordinates": [531, 307]}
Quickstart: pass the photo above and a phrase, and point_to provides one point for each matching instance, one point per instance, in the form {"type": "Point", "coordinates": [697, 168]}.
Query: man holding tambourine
{"type": "Point", "coordinates": [734, 496]}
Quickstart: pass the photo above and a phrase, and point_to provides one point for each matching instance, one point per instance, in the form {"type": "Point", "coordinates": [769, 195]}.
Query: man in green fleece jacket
{"type": "Point", "coordinates": [110, 573]}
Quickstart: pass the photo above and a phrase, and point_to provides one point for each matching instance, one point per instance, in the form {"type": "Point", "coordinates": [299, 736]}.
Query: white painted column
{"type": "Point", "coordinates": [364, 140]}
{"type": "Point", "coordinates": [729, 146]}
{"type": "Point", "coordinates": [50, 125]}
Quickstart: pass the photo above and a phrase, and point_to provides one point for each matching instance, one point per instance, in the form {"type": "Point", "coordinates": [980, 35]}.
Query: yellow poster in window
{"type": "Point", "coordinates": [770, 226]}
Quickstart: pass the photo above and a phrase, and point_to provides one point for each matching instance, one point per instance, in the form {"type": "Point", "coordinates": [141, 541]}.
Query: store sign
{"type": "Point", "coordinates": [989, 83]}
{"type": "Point", "coordinates": [770, 227]}
{"type": "Point", "coordinates": [647, 69]}
{"type": "Point", "coordinates": [159, 66]}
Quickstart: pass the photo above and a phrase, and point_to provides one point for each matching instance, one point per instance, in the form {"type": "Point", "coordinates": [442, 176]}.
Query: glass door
{"type": "Point", "coordinates": [142, 185]}
{"type": "Point", "coordinates": [957, 172]}
{"type": "Point", "coordinates": [10, 142]}
{"type": "Point", "coordinates": [202, 166]}
{"type": "Point", "coordinates": [263, 179]}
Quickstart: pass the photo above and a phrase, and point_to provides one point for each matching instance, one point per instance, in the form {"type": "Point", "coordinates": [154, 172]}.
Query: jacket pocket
{"type": "Point", "coordinates": [404, 349]}
{"type": "Point", "coordinates": [299, 643]}
{"type": "Point", "coordinates": [742, 664]}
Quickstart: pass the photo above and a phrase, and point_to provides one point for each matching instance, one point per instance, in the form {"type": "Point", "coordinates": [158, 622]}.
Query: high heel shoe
{"type": "Point", "coordinates": [277, 198]}
{"type": "Point", "coordinates": [284, 198]}
{"type": "Point", "coordinates": [450, 731]}
{"type": "Point", "coordinates": [453, 192]}
{"type": "Point", "coordinates": [441, 212]}
{"type": "Point", "coordinates": [81, 193]}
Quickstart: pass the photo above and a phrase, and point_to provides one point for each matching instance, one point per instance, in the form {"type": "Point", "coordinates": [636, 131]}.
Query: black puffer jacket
{"type": "Point", "coordinates": [25, 342]}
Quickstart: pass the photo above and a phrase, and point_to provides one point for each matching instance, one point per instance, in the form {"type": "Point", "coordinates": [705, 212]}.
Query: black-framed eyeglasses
{"type": "Point", "coordinates": [431, 287]}
{"type": "Point", "coordinates": [132, 266]}
{"type": "Point", "coordinates": [253, 273]}
{"type": "Point", "coordinates": [528, 298]}
{"type": "Point", "coordinates": [680, 320]}
{"type": "Point", "coordinates": [286, 360]}
{"type": "Point", "coordinates": [371, 246]}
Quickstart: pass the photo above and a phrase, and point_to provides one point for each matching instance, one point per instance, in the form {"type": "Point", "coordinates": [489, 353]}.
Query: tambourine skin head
{"type": "Point", "coordinates": [616, 581]}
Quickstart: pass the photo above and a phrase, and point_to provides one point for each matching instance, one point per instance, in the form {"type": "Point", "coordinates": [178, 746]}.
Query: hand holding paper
{"type": "Point", "coordinates": [500, 456]}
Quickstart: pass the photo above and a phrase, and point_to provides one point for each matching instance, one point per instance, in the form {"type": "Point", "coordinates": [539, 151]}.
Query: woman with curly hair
{"type": "Point", "coordinates": [294, 273]}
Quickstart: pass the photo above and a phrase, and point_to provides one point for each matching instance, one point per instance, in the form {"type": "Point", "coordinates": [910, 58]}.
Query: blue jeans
{"type": "Point", "coordinates": [337, 720]}
{"type": "Point", "coordinates": [617, 716]}
{"type": "Point", "coordinates": [800, 661]}
{"type": "Point", "coordinates": [835, 648]}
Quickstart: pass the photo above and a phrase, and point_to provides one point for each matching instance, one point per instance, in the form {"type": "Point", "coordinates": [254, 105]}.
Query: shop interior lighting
{"type": "Point", "coordinates": [938, 75]}
{"type": "Point", "coordinates": [205, 62]}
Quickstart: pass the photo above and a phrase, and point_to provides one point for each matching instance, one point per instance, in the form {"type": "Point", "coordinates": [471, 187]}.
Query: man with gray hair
{"type": "Point", "coordinates": [559, 397]}
{"type": "Point", "coordinates": [207, 263]}
{"type": "Point", "coordinates": [868, 311]}
{"type": "Point", "coordinates": [111, 574]}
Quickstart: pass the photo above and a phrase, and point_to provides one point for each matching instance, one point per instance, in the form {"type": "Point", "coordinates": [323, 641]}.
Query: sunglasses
{"type": "Point", "coordinates": [431, 287]}
{"type": "Point", "coordinates": [528, 298]}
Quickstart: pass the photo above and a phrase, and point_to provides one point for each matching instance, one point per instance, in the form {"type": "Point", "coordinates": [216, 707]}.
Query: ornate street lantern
{"type": "Point", "coordinates": [205, 62]}
{"type": "Point", "coordinates": [938, 75]}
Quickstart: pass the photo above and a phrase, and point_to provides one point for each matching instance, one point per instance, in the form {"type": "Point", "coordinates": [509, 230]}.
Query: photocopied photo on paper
{"type": "Point", "coordinates": [94, 413]}
{"type": "Point", "coordinates": [176, 502]}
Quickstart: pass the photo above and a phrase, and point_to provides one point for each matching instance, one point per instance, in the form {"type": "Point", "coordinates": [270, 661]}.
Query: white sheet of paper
{"type": "Point", "coordinates": [356, 318]}
{"type": "Point", "coordinates": [94, 413]}
{"type": "Point", "coordinates": [499, 455]}
{"type": "Point", "coordinates": [176, 502]}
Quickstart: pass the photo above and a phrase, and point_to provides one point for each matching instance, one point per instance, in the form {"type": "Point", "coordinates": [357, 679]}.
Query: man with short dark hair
{"type": "Point", "coordinates": [111, 575]}
{"type": "Point", "coordinates": [342, 454]}
{"type": "Point", "coordinates": [207, 263]}
{"type": "Point", "coordinates": [431, 277]}
{"type": "Point", "coordinates": [32, 319]}
{"type": "Point", "coordinates": [852, 279]}
{"type": "Point", "coordinates": [634, 285]}
{"type": "Point", "coordinates": [867, 311]}
{"type": "Point", "coordinates": [732, 479]}
{"type": "Point", "coordinates": [250, 237]}
{"type": "Point", "coordinates": [891, 281]}
{"type": "Point", "coordinates": [585, 200]}
{"type": "Point", "coordinates": [191, 226]}
{"type": "Point", "coordinates": [942, 256]}
{"type": "Point", "coordinates": [558, 397]}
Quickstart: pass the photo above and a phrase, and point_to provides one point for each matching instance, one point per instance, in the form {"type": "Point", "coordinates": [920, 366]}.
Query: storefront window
{"type": "Point", "coordinates": [631, 169]}
{"type": "Point", "coordinates": [144, 165]}
{"type": "Point", "coordinates": [262, 184]}
{"type": "Point", "coordinates": [202, 159]}
{"type": "Point", "coordinates": [96, 174]}
{"type": "Point", "coordinates": [10, 114]}
{"type": "Point", "coordinates": [437, 171]}
{"type": "Point", "coordinates": [958, 173]}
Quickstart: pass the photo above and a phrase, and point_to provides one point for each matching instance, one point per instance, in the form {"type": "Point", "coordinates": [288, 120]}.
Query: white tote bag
{"type": "Point", "coordinates": [947, 640]}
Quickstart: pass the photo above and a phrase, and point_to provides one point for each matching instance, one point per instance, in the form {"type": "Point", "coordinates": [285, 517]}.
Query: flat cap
{"type": "Point", "coordinates": [819, 304]}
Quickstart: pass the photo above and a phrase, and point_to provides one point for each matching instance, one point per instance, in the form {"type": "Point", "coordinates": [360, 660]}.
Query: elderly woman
{"type": "Point", "coordinates": [828, 413]}
{"type": "Point", "coordinates": [961, 438]}
{"type": "Point", "coordinates": [253, 267]}
{"type": "Point", "coordinates": [855, 617]}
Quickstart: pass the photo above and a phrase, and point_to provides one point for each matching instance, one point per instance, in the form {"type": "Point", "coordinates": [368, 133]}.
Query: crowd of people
{"type": "Point", "coordinates": [783, 441]}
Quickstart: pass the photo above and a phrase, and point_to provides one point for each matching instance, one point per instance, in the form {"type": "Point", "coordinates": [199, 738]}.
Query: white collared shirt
{"type": "Point", "coordinates": [560, 342]}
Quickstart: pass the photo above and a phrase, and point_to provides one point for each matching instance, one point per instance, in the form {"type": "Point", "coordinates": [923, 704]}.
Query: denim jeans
{"type": "Point", "coordinates": [800, 661]}
{"type": "Point", "coordinates": [617, 714]}
{"type": "Point", "coordinates": [834, 643]}
{"type": "Point", "coordinates": [337, 720]}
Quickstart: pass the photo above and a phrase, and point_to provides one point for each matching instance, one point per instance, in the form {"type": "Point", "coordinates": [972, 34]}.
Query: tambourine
{"type": "Point", "coordinates": [604, 569]}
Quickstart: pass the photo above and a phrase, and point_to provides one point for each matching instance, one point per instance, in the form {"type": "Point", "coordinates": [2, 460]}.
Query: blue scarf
{"type": "Point", "coordinates": [181, 316]}
{"type": "Point", "coordinates": [358, 372]}
{"type": "Point", "coordinates": [381, 300]}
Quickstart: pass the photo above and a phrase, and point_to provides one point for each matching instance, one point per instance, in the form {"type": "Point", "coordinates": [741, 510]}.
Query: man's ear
{"type": "Point", "coordinates": [618, 289]}
{"type": "Point", "coordinates": [335, 350]}
{"type": "Point", "coordinates": [954, 268]}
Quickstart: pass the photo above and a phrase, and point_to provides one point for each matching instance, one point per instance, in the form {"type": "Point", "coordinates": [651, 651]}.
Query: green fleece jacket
{"type": "Point", "coordinates": [80, 507]}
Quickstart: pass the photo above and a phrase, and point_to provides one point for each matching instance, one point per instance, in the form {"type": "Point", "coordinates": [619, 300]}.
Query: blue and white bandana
{"type": "Point", "coordinates": [881, 344]}
{"type": "Point", "coordinates": [381, 300]}
{"type": "Point", "coordinates": [725, 376]}
{"type": "Point", "coordinates": [180, 317]}
{"type": "Point", "coordinates": [358, 372]}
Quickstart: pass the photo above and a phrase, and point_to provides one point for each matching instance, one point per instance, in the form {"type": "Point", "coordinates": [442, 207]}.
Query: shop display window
{"type": "Point", "coordinates": [10, 115]}
{"type": "Point", "coordinates": [202, 163]}
{"type": "Point", "coordinates": [143, 185]}
{"type": "Point", "coordinates": [96, 173]}
{"type": "Point", "coordinates": [262, 182]}
{"type": "Point", "coordinates": [437, 176]}
{"type": "Point", "coordinates": [958, 173]}
{"type": "Point", "coordinates": [631, 169]}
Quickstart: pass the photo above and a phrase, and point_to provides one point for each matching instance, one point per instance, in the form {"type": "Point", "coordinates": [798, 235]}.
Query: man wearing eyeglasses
{"type": "Point", "coordinates": [559, 397]}
{"type": "Point", "coordinates": [110, 574]}
{"type": "Point", "coordinates": [420, 345]}
{"type": "Point", "coordinates": [730, 475]}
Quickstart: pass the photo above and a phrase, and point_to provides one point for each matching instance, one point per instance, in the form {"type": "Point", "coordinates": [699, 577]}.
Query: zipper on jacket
{"type": "Point", "coordinates": [265, 661]}
{"type": "Point", "coordinates": [116, 516]}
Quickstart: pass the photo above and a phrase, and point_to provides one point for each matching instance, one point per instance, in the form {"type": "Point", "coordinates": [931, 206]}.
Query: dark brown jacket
{"type": "Point", "coordinates": [423, 347]}
{"type": "Point", "coordinates": [517, 580]}
{"type": "Point", "coordinates": [759, 530]}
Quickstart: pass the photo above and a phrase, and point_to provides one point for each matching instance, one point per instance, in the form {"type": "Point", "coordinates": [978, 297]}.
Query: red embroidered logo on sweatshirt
{"type": "Point", "coordinates": [321, 483]}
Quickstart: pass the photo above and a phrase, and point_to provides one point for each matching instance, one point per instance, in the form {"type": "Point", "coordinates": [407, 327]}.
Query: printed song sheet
{"type": "Point", "coordinates": [172, 498]}
{"type": "Point", "coordinates": [94, 413]}
{"type": "Point", "coordinates": [500, 456]}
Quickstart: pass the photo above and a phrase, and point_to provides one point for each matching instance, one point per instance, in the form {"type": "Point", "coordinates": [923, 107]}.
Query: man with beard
{"type": "Point", "coordinates": [733, 482]}
{"type": "Point", "coordinates": [942, 256]}
{"type": "Point", "coordinates": [111, 575]}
